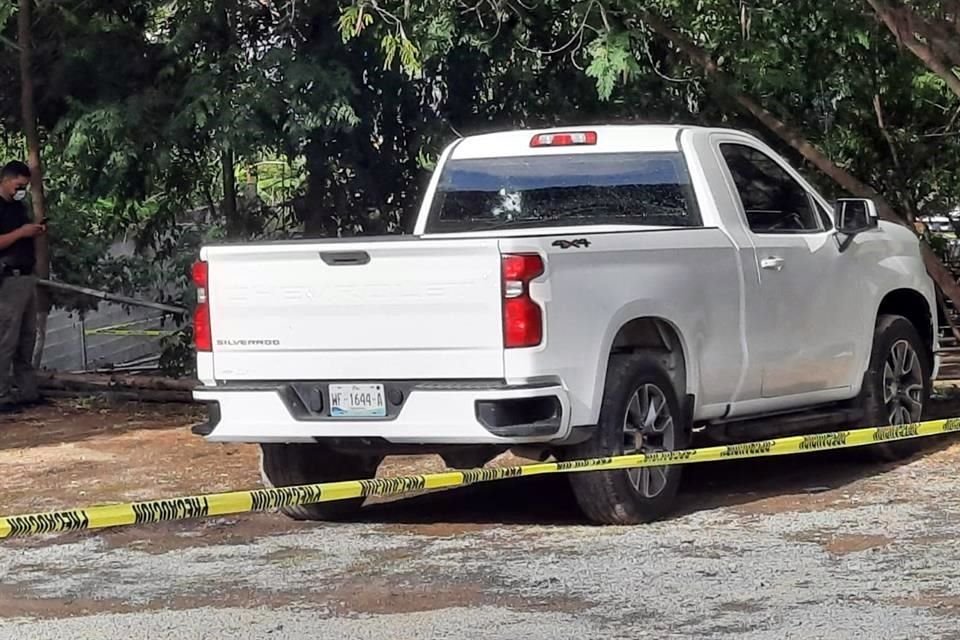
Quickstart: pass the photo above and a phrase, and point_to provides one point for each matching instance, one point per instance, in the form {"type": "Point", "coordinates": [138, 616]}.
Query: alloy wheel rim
{"type": "Point", "coordinates": [648, 427]}
{"type": "Point", "coordinates": [903, 384]}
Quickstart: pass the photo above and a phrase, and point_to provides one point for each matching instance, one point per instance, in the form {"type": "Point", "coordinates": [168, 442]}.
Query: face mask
{"type": "Point", "coordinates": [19, 194]}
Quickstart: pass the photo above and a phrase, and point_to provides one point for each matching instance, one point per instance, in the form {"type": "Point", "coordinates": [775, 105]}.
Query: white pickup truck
{"type": "Point", "coordinates": [576, 293]}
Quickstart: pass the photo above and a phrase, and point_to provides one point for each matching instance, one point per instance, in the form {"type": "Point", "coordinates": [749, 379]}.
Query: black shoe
{"type": "Point", "coordinates": [8, 408]}
{"type": "Point", "coordinates": [39, 401]}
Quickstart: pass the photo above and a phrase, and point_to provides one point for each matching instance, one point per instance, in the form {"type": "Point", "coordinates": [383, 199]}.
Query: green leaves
{"type": "Point", "coordinates": [391, 45]}
{"type": "Point", "coordinates": [137, 99]}
{"type": "Point", "coordinates": [611, 59]}
{"type": "Point", "coordinates": [353, 19]}
{"type": "Point", "coordinates": [394, 42]}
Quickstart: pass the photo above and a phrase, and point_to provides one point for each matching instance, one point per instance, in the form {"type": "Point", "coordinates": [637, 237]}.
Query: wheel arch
{"type": "Point", "coordinates": [653, 334]}
{"type": "Point", "coordinates": [914, 306]}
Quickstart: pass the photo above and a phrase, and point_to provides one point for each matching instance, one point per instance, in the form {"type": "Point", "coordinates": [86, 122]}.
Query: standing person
{"type": "Point", "coordinates": [18, 290]}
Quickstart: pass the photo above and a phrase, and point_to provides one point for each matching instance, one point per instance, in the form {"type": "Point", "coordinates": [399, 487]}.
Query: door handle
{"type": "Point", "coordinates": [774, 263]}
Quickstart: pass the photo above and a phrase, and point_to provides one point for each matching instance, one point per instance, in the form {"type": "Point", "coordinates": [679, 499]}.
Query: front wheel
{"type": "Point", "coordinates": [285, 465]}
{"type": "Point", "coordinates": [640, 414]}
{"type": "Point", "coordinates": [897, 385]}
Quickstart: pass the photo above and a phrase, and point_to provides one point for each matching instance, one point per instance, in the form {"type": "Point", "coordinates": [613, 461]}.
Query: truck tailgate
{"type": "Point", "coordinates": [373, 310]}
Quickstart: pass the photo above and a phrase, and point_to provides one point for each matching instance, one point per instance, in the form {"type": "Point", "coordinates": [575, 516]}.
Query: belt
{"type": "Point", "coordinates": [15, 271]}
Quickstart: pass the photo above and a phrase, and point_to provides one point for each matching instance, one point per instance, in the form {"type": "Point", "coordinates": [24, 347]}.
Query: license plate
{"type": "Point", "coordinates": [357, 401]}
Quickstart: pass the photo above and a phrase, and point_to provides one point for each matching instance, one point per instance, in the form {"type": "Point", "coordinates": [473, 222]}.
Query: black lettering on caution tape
{"type": "Point", "coordinates": [174, 509]}
{"type": "Point", "coordinates": [953, 424]}
{"type": "Point", "coordinates": [897, 432]}
{"type": "Point", "coordinates": [392, 486]}
{"type": "Point", "coordinates": [48, 523]}
{"type": "Point", "coordinates": [824, 441]}
{"type": "Point", "coordinates": [471, 476]}
{"type": "Point", "coordinates": [571, 465]}
{"type": "Point", "coordinates": [267, 499]}
{"type": "Point", "coordinates": [748, 449]}
{"type": "Point", "coordinates": [657, 457]}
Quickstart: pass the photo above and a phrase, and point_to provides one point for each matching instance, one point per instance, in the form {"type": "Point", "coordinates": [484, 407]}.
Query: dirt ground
{"type": "Point", "coordinates": [826, 545]}
{"type": "Point", "coordinates": [86, 453]}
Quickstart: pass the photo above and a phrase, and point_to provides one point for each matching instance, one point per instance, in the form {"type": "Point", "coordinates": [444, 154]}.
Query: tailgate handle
{"type": "Point", "coordinates": [345, 258]}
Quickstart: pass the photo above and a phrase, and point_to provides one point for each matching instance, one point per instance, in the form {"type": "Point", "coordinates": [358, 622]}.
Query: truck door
{"type": "Point", "coordinates": [804, 340]}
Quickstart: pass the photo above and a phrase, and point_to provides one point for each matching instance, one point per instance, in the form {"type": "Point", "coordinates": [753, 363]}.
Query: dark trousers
{"type": "Point", "coordinates": [18, 334]}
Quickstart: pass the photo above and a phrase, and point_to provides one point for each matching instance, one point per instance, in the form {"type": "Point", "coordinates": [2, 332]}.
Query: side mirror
{"type": "Point", "coordinates": [855, 215]}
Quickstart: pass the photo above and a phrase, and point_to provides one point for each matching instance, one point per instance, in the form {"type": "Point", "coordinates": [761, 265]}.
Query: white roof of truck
{"type": "Point", "coordinates": [610, 139]}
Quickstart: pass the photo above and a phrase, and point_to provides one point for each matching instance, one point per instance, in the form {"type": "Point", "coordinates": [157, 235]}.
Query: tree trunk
{"type": "Point", "coordinates": [948, 317]}
{"type": "Point", "coordinates": [28, 114]}
{"type": "Point", "coordinates": [939, 33]}
{"type": "Point", "coordinates": [904, 24]}
{"type": "Point", "coordinates": [230, 215]}
{"type": "Point", "coordinates": [793, 137]}
{"type": "Point", "coordinates": [317, 209]}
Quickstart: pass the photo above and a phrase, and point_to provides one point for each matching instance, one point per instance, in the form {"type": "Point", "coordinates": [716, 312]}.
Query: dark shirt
{"type": "Point", "coordinates": [19, 255]}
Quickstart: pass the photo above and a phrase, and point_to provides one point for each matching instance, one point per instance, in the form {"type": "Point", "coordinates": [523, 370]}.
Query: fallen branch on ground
{"type": "Point", "coordinates": [120, 395]}
{"type": "Point", "coordinates": [119, 386]}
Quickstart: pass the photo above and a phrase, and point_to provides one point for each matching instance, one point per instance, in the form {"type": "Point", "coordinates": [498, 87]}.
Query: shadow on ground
{"type": "Point", "coordinates": [549, 499]}
{"type": "Point", "coordinates": [544, 501]}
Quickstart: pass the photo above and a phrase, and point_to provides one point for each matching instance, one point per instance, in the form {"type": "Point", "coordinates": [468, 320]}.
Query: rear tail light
{"type": "Point", "coordinates": [202, 336]}
{"type": "Point", "coordinates": [565, 139]}
{"type": "Point", "coordinates": [522, 317]}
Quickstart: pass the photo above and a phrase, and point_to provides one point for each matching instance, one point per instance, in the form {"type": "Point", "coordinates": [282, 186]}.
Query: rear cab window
{"type": "Point", "coordinates": [645, 189]}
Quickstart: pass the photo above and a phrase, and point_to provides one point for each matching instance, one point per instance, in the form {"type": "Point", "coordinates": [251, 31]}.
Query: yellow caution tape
{"type": "Point", "coordinates": [123, 329]}
{"type": "Point", "coordinates": [219, 504]}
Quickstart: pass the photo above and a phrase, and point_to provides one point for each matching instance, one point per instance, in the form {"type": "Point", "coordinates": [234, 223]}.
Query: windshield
{"type": "Point", "coordinates": [564, 190]}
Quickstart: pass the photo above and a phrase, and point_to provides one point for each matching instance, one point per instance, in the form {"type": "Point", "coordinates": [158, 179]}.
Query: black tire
{"type": "Point", "coordinates": [893, 330]}
{"type": "Point", "coordinates": [615, 497]}
{"type": "Point", "coordinates": [285, 465]}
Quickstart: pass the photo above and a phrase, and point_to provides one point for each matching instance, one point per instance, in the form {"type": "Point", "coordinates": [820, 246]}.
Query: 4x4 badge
{"type": "Point", "coordinates": [582, 243]}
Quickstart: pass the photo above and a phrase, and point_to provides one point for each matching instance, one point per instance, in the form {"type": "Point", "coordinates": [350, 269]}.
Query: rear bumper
{"type": "Point", "coordinates": [428, 413]}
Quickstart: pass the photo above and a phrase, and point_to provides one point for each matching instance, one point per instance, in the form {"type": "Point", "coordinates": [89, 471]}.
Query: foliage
{"type": "Point", "coordinates": [611, 60]}
{"type": "Point", "coordinates": [341, 109]}
{"type": "Point", "coordinates": [822, 66]}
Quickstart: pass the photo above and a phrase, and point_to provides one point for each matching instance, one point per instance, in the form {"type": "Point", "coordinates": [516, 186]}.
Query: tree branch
{"type": "Point", "coordinates": [793, 137]}
{"type": "Point", "coordinates": [902, 23]}
{"type": "Point", "coordinates": [895, 157]}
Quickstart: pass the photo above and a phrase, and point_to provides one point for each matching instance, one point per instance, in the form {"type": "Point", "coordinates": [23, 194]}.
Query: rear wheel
{"type": "Point", "coordinates": [897, 385]}
{"type": "Point", "coordinates": [285, 465]}
{"type": "Point", "coordinates": [640, 414]}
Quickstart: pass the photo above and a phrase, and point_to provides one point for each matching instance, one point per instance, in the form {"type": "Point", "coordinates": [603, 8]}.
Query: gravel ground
{"type": "Point", "coordinates": [819, 546]}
